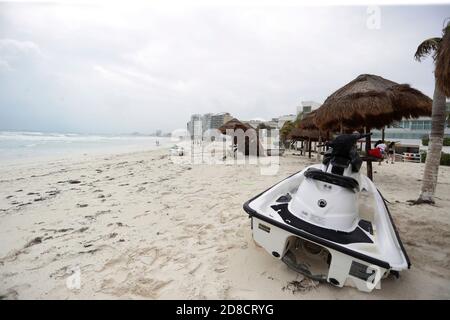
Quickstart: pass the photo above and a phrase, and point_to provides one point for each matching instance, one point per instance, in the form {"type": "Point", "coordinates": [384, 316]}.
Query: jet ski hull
{"type": "Point", "coordinates": [359, 258]}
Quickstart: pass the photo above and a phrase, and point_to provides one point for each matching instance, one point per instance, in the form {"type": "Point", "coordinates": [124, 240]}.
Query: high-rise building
{"type": "Point", "coordinates": [200, 123]}
{"type": "Point", "coordinates": [254, 123]}
{"type": "Point", "coordinates": [409, 129]}
{"type": "Point", "coordinates": [307, 107]}
{"type": "Point", "coordinates": [219, 119]}
{"type": "Point", "coordinates": [194, 126]}
{"type": "Point", "coordinates": [206, 121]}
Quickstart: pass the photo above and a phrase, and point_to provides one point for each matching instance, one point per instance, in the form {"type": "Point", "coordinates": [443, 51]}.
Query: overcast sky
{"type": "Point", "coordinates": [100, 69]}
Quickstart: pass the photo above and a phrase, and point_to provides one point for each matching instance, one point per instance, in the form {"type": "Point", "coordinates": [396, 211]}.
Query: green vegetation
{"type": "Point", "coordinates": [289, 125]}
{"type": "Point", "coordinates": [445, 158]}
{"type": "Point", "coordinates": [286, 129]}
{"type": "Point", "coordinates": [426, 139]}
{"type": "Point", "coordinates": [298, 119]}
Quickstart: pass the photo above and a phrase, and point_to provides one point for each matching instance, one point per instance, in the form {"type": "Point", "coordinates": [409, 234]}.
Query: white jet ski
{"type": "Point", "coordinates": [330, 223]}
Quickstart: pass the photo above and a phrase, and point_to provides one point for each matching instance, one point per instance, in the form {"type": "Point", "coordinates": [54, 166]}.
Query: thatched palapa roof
{"type": "Point", "coordinates": [371, 101]}
{"type": "Point", "coordinates": [309, 130]}
{"type": "Point", "coordinates": [308, 122]}
{"type": "Point", "coordinates": [234, 124]}
{"type": "Point", "coordinates": [303, 134]}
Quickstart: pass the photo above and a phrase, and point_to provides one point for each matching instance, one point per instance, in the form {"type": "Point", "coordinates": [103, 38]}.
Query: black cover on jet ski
{"type": "Point", "coordinates": [343, 181]}
{"type": "Point", "coordinates": [343, 152]}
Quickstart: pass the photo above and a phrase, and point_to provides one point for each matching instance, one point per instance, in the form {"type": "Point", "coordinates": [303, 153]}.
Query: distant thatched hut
{"type": "Point", "coordinates": [234, 124]}
{"type": "Point", "coordinates": [305, 136]}
{"type": "Point", "coordinates": [298, 134]}
{"type": "Point", "coordinates": [308, 131]}
{"type": "Point", "coordinates": [264, 126]}
{"type": "Point", "coordinates": [244, 136]}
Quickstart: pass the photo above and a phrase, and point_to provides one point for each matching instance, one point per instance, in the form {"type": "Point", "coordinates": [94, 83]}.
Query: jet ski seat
{"type": "Point", "coordinates": [336, 179]}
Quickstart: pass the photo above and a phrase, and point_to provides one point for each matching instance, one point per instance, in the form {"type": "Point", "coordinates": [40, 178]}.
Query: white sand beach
{"type": "Point", "coordinates": [138, 226]}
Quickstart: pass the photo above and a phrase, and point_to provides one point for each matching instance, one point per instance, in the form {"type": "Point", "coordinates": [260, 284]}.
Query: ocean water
{"type": "Point", "coordinates": [23, 146]}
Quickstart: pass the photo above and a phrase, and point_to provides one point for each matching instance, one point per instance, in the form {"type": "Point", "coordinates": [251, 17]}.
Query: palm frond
{"type": "Point", "coordinates": [427, 47]}
{"type": "Point", "coordinates": [442, 71]}
{"type": "Point", "coordinates": [447, 25]}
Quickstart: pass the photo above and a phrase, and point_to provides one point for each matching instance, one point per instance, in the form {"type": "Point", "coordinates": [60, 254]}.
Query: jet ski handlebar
{"type": "Point", "coordinates": [364, 135]}
{"type": "Point", "coordinates": [352, 138]}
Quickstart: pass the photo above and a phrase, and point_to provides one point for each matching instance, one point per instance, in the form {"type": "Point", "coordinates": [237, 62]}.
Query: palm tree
{"type": "Point", "coordinates": [286, 129]}
{"type": "Point", "coordinates": [298, 119]}
{"type": "Point", "coordinates": [439, 49]}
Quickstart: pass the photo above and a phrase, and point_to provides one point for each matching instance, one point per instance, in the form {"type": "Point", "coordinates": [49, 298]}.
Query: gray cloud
{"type": "Point", "coordinates": [123, 69]}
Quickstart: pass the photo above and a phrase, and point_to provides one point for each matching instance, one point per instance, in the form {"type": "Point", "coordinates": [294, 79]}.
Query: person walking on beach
{"type": "Point", "coordinates": [391, 153]}
{"type": "Point", "coordinates": [382, 147]}
{"type": "Point", "coordinates": [234, 149]}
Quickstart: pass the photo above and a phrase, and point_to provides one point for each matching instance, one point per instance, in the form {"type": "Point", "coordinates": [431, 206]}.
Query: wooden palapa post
{"type": "Point", "coordinates": [319, 148]}
{"type": "Point", "coordinates": [309, 147]}
{"type": "Point", "coordinates": [369, 162]}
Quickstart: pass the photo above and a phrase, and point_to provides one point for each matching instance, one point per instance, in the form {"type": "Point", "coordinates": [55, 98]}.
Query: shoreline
{"type": "Point", "coordinates": [75, 157]}
{"type": "Point", "coordinates": [136, 225]}
{"type": "Point", "coordinates": [27, 147]}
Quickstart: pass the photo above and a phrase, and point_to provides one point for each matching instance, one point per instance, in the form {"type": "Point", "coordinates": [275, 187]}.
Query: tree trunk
{"type": "Point", "coordinates": [432, 162]}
